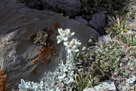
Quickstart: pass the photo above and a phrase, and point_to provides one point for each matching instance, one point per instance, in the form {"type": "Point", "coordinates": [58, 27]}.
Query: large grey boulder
{"type": "Point", "coordinates": [17, 52]}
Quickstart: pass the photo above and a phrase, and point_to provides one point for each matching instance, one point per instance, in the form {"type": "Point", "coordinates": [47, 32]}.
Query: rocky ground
{"type": "Point", "coordinates": [20, 20]}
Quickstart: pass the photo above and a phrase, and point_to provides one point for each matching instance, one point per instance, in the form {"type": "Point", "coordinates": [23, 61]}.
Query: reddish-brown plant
{"type": "Point", "coordinates": [3, 85]}
{"type": "Point", "coordinates": [34, 71]}
{"type": "Point", "coordinates": [56, 26]}
{"type": "Point", "coordinates": [0, 43]}
{"type": "Point", "coordinates": [47, 62]}
{"type": "Point", "coordinates": [46, 51]}
{"type": "Point", "coordinates": [32, 36]}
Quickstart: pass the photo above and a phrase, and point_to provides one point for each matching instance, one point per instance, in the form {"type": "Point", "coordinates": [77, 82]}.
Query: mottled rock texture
{"type": "Point", "coordinates": [69, 7]}
{"type": "Point", "coordinates": [17, 52]}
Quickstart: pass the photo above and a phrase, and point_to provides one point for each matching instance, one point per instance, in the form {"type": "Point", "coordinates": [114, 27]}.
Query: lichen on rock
{"type": "Point", "coordinates": [47, 50]}
{"type": "Point", "coordinates": [41, 37]}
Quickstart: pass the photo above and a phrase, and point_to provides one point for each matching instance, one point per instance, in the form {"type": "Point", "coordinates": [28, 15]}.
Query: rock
{"type": "Point", "coordinates": [36, 4]}
{"type": "Point", "coordinates": [81, 19]}
{"type": "Point", "coordinates": [17, 52]}
{"type": "Point", "coordinates": [104, 86]}
{"type": "Point", "coordinates": [98, 22]}
{"type": "Point", "coordinates": [104, 38]}
{"type": "Point", "coordinates": [70, 7]}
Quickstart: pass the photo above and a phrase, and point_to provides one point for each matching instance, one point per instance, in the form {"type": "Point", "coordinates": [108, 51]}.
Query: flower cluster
{"type": "Point", "coordinates": [66, 71]}
{"type": "Point", "coordinates": [72, 46]}
{"type": "Point", "coordinates": [64, 35]}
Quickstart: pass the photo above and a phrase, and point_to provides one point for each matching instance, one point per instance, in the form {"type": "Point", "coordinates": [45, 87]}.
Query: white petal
{"type": "Point", "coordinates": [77, 50]}
{"type": "Point", "coordinates": [66, 43]}
{"type": "Point", "coordinates": [59, 37]}
{"type": "Point", "coordinates": [72, 33]}
{"type": "Point", "coordinates": [67, 31]}
{"type": "Point", "coordinates": [60, 30]}
{"type": "Point", "coordinates": [69, 51]}
{"type": "Point", "coordinates": [59, 41]}
{"type": "Point", "coordinates": [72, 42]}
{"type": "Point", "coordinates": [65, 38]}
{"type": "Point", "coordinates": [74, 47]}
{"type": "Point", "coordinates": [78, 43]}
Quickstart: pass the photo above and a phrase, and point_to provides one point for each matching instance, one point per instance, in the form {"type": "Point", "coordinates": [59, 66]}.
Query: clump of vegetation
{"type": "Point", "coordinates": [129, 38]}
{"type": "Point", "coordinates": [108, 56]}
{"type": "Point", "coordinates": [118, 25]}
{"type": "Point", "coordinates": [122, 30]}
{"type": "Point", "coordinates": [111, 60]}
{"type": "Point", "coordinates": [83, 81]}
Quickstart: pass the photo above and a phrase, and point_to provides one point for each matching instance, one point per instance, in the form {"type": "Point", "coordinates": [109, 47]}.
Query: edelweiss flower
{"type": "Point", "coordinates": [64, 35]}
{"type": "Point", "coordinates": [72, 46]}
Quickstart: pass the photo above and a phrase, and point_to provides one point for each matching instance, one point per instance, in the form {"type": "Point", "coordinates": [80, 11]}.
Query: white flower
{"type": "Point", "coordinates": [84, 48]}
{"type": "Point", "coordinates": [64, 35]}
{"type": "Point", "coordinates": [72, 46]}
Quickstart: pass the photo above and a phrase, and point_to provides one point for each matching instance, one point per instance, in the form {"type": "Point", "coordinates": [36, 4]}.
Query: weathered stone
{"type": "Point", "coordinates": [37, 4]}
{"type": "Point", "coordinates": [17, 52]}
{"type": "Point", "coordinates": [98, 22]}
{"type": "Point", "coordinates": [81, 19]}
{"type": "Point", "coordinates": [70, 7]}
{"type": "Point", "coordinates": [103, 86]}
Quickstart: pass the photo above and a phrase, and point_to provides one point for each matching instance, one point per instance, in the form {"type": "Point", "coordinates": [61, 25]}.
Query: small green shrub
{"type": "Point", "coordinates": [118, 25]}
{"type": "Point", "coordinates": [129, 38]}
{"type": "Point", "coordinates": [108, 60]}
{"type": "Point", "coordinates": [108, 56]}
{"type": "Point", "coordinates": [83, 81]}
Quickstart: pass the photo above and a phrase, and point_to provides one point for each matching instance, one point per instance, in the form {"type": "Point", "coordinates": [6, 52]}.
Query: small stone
{"type": "Point", "coordinates": [98, 22]}
{"type": "Point", "coordinates": [104, 86]}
